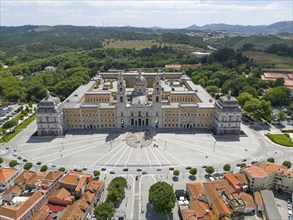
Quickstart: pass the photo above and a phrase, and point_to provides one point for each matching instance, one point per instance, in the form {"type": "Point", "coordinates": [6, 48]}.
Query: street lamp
{"type": "Point", "coordinates": [165, 145]}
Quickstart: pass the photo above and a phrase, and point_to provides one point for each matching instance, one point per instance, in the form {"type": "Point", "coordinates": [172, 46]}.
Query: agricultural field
{"type": "Point", "coordinates": [129, 44]}
{"type": "Point", "coordinates": [267, 60]}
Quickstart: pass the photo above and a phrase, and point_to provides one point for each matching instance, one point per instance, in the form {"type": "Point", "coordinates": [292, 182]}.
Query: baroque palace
{"type": "Point", "coordinates": [134, 99]}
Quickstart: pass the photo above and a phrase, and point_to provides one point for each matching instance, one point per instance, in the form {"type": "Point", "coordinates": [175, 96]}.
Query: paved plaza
{"type": "Point", "coordinates": [148, 149]}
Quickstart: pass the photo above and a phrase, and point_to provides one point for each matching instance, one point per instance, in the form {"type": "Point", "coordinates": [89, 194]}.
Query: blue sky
{"type": "Point", "coordinates": [171, 14]}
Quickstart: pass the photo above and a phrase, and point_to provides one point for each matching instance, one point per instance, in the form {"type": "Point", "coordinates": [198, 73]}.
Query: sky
{"type": "Point", "coordinates": [140, 13]}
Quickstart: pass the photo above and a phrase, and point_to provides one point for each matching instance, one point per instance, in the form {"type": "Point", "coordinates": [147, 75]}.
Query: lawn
{"type": "Point", "coordinates": [282, 139]}
{"type": "Point", "coordinates": [267, 60]}
{"type": "Point", "coordinates": [7, 137]}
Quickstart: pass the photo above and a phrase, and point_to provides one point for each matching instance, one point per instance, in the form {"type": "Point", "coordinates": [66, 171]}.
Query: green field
{"type": "Point", "coordinates": [7, 137]}
{"type": "Point", "coordinates": [129, 44]}
{"type": "Point", "coordinates": [282, 139]}
{"type": "Point", "coordinates": [266, 60]}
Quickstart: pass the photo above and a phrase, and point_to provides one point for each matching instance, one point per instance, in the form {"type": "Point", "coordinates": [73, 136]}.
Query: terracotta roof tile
{"type": "Point", "coordinates": [232, 179]}
{"type": "Point", "coordinates": [15, 212]}
{"type": "Point", "coordinates": [73, 212]}
{"type": "Point", "coordinates": [6, 173]}
{"type": "Point", "coordinates": [88, 197]}
{"type": "Point", "coordinates": [43, 214]}
{"type": "Point", "coordinates": [12, 189]}
{"type": "Point", "coordinates": [61, 194]}
{"type": "Point", "coordinates": [275, 75]}
{"type": "Point", "coordinates": [263, 169]}
{"type": "Point", "coordinates": [242, 178]}
{"type": "Point", "coordinates": [189, 214]}
{"type": "Point", "coordinates": [247, 198]}
{"type": "Point", "coordinates": [94, 185]}
{"type": "Point", "coordinates": [202, 210]}
{"type": "Point", "coordinates": [217, 203]}
{"type": "Point", "coordinates": [72, 178]}
{"type": "Point", "coordinates": [258, 199]}
{"type": "Point", "coordinates": [195, 189]}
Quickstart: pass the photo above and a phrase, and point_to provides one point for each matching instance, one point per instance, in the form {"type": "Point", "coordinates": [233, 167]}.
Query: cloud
{"type": "Point", "coordinates": [35, 2]}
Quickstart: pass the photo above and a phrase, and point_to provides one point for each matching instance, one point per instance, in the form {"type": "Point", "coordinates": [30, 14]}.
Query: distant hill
{"type": "Point", "coordinates": [279, 27]}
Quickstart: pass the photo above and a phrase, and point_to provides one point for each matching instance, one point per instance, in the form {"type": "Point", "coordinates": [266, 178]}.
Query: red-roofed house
{"type": "Point", "coordinates": [234, 182]}
{"type": "Point", "coordinates": [25, 210]}
{"type": "Point", "coordinates": [75, 182]}
{"type": "Point", "coordinates": [7, 175]}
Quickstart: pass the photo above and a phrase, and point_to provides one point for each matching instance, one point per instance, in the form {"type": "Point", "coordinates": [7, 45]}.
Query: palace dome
{"type": "Point", "coordinates": [140, 80]}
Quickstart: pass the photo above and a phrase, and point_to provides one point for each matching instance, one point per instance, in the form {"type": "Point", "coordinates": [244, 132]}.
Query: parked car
{"type": "Point", "coordinates": [204, 166]}
{"type": "Point", "coordinates": [112, 172]}
{"type": "Point", "coordinates": [144, 172]}
{"type": "Point", "coordinates": [39, 163]}
{"type": "Point", "coordinates": [188, 168]}
{"type": "Point", "coordinates": [138, 169]}
{"type": "Point", "coordinates": [103, 169]}
{"type": "Point", "coordinates": [171, 168]}
{"type": "Point", "coordinates": [159, 169]}
{"type": "Point", "coordinates": [53, 165]}
{"type": "Point", "coordinates": [24, 160]}
{"type": "Point", "coordinates": [84, 168]}
{"type": "Point", "coordinates": [125, 169]}
{"type": "Point", "coordinates": [244, 160]}
{"type": "Point", "coordinates": [238, 164]}
{"type": "Point", "coordinates": [19, 157]}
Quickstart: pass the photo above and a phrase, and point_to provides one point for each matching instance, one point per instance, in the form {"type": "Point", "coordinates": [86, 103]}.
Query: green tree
{"type": "Point", "coordinates": [44, 168]}
{"type": "Point", "coordinates": [27, 166]}
{"type": "Point", "coordinates": [243, 165]}
{"type": "Point", "coordinates": [243, 98]}
{"type": "Point", "coordinates": [12, 163]}
{"type": "Point", "coordinates": [96, 173]}
{"type": "Point", "coordinates": [210, 169]}
{"type": "Point", "coordinates": [104, 211]}
{"type": "Point", "coordinates": [9, 124]}
{"type": "Point", "coordinates": [227, 167]}
{"type": "Point", "coordinates": [162, 197]}
{"type": "Point", "coordinates": [61, 169]}
{"type": "Point", "coordinates": [176, 172]}
{"type": "Point", "coordinates": [193, 171]}
{"type": "Point", "coordinates": [278, 96]}
{"type": "Point", "coordinates": [270, 159]}
{"type": "Point", "coordinates": [114, 196]}
{"type": "Point", "coordinates": [281, 116]}
{"type": "Point", "coordinates": [1, 160]}
{"type": "Point", "coordinates": [287, 164]}
{"type": "Point", "coordinates": [258, 108]}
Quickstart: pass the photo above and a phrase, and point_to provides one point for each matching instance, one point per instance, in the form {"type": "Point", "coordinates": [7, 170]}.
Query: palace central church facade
{"type": "Point", "coordinates": [135, 99]}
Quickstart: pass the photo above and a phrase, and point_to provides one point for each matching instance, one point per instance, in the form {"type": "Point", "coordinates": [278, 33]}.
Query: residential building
{"type": "Point", "coordinates": [29, 180]}
{"type": "Point", "coordinates": [7, 175]}
{"type": "Point", "coordinates": [234, 182]}
{"type": "Point", "coordinates": [10, 193]}
{"type": "Point", "coordinates": [75, 182]}
{"type": "Point", "coordinates": [136, 99]}
{"type": "Point", "coordinates": [43, 214]}
{"type": "Point", "coordinates": [266, 175]}
{"type": "Point", "coordinates": [219, 208]}
{"type": "Point", "coordinates": [258, 202]}
{"type": "Point", "coordinates": [23, 210]}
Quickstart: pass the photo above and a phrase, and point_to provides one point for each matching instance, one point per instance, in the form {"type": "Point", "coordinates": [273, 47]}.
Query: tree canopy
{"type": "Point", "coordinates": [210, 169]}
{"type": "Point", "coordinates": [104, 211]}
{"type": "Point", "coordinates": [278, 96]}
{"type": "Point", "coordinates": [162, 197]}
{"type": "Point", "coordinates": [287, 164]}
